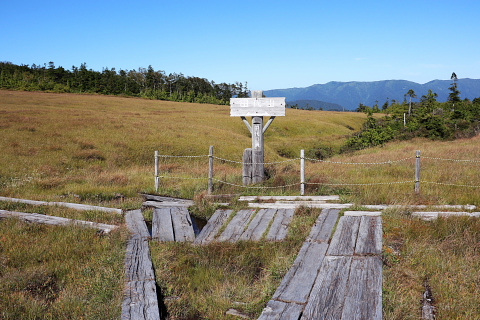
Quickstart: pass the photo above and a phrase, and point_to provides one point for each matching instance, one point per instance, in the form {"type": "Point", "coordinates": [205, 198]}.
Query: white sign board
{"type": "Point", "coordinates": [257, 107]}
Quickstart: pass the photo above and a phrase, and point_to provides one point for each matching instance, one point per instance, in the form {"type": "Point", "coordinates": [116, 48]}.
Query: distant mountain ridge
{"type": "Point", "coordinates": [315, 104]}
{"type": "Point", "coordinates": [350, 94]}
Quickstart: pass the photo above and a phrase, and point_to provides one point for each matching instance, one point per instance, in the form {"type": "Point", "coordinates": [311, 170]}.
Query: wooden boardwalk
{"type": "Point", "coordinates": [140, 296]}
{"type": "Point", "coordinates": [247, 224]}
{"type": "Point", "coordinates": [337, 280]}
{"type": "Point", "coordinates": [172, 224]}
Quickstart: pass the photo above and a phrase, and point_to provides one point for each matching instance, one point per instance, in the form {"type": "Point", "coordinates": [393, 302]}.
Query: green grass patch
{"type": "Point", "coordinates": [51, 272]}
{"type": "Point", "coordinates": [445, 253]}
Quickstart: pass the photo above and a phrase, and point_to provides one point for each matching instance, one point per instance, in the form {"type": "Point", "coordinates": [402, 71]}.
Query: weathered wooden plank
{"type": "Point", "coordinates": [136, 223]}
{"type": "Point", "coordinates": [236, 226]}
{"type": "Point", "coordinates": [164, 199]}
{"type": "Point", "coordinates": [299, 280]}
{"type": "Point", "coordinates": [432, 215]}
{"type": "Point", "coordinates": [362, 213]}
{"type": "Point", "coordinates": [345, 237]}
{"type": "Point", "coordinates": [212, 227]}
{"type": "Point", "coordinates": [258, 225]}
{"type": "Point", "coordinates": [363, 299]}
{"type": "Point", "coordinates": [52, 220]}
{"type": "Point", "coordinates": [162, 226]}
{"type": "Point", "coordinates": [278, 310]}
{"type": "Point", "coordinates": [279, 228]}
{"type": "Point", "coordinates": [182, 225]}
{"type": "Point", "coordinates": [141, 302]}
{"type": "Point", "coordinates": [165, 204]}
{"type": "Point", "coordinates": [294, 206]}
{"type": "Point", "coordinates": [323, 227]}
{"type": "Point", "coordinates": [289, 198]}
{"type": "Point", "coordinates": [138, 265]}
{"type": "Point", "coordinates": [328, 294]}
{"type": "Point", "coordinates": [76, 206]}
{"type": "Point", "coordinates": [369, 239]}
{"type": "Point", "coordinates": [427, 216]}
{"type": "Point", "coordinates": [301, 202]}
{"type": "Point", "coordinates": [422, 207]}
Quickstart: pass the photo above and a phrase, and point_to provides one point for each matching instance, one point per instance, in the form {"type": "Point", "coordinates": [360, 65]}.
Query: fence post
{"type": "Point", "coordinates": [302, 172]}
{"type": "Point", "coordinates": [417, 173]}
{"type": "Point", "coordinates": [210, 170]}
{"type": "Point", "coordinates": [247, 171]}
{"type": "Point", "coordinates": [157, 178]}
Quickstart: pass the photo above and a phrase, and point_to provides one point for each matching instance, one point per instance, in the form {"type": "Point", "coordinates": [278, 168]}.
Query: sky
{"type": "Point", "coordinates": [273, 44]}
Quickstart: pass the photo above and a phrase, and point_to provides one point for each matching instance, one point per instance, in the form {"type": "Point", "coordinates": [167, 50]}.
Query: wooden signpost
{"type": "Point", "coordinates": [256, 107]}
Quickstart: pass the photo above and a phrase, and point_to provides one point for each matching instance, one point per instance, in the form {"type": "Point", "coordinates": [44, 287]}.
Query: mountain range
{"type": "Point", "coordinates": [348, 95]}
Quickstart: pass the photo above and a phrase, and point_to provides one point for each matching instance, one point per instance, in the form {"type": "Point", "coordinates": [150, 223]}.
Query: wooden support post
{"type": "Point", "coordinates": [257, 145]}
{"type": "Point", "coordinates": [247, 167]}
{"type": "Point", "coordinates": [302, 172]}
{"type": "Point", "coordinates": [269, 122]}
{"type": "Point", "coordinates": [210, 170]}
{"type": "Point", "coordinates": [157, 178]}
{"type": "Point", "coordinates": [417, 173]}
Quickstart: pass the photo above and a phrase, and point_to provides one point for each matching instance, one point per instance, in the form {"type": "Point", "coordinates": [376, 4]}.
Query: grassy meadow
{"type": "Point", "coordinates": [99, 150]}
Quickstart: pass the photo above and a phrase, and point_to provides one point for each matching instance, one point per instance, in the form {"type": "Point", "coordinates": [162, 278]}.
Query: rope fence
{"type": "Point", "coordinates": [303, 183]}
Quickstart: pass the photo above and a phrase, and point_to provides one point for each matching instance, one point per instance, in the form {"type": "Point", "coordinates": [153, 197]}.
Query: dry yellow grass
{"type": "Point", "coordinates": [93, 147]}
{"type": "Point", "coordinates": [70, 144]}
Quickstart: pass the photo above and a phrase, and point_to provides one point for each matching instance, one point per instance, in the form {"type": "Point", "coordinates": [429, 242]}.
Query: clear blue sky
{"type": "Point", "coordinates": [269, 44]}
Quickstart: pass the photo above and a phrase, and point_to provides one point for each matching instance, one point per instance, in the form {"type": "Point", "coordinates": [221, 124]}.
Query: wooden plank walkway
{"type": "Point", "coordinates": [337, 280]}
{"type": "Point", "coordinates": [53, 220]}
{"type": "Point", "coordinates": [172, 224]}
{"type": "Point", "coordinates": [247, 224]}
{"type": "Point", "coordinates": [213, 226]}
{"type": "Point", "coordinates": [140, 296]}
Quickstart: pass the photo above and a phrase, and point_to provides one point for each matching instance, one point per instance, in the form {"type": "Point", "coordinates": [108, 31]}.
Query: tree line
{"type": "Point", "coordinates": [143, 82]}
{"type": "Point", "coordinates": [455, 118]}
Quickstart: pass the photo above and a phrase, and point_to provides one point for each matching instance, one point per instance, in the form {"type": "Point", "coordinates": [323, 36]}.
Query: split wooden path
{"type": "Point", "coordinates": [140, 296]}
{"type": "Point", "coordinates": [248, 224]}
{"type": "Point", "coordinates": [335, 276]}
{"type": "Point", "coordinates": [337, 280]}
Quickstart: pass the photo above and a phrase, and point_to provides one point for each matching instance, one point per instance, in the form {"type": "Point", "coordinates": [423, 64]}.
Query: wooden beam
{"type": "Point", "coordinates": [259, 224]}
{"type": "Point", "coordinates": [279, 228]}
{"type": "Point", "coordinates": [281, 310]}
{"type": "Point", "coordinates": [269, 122]}
{"type": "Point", "coordinates": [237, 225]}
{"type": "Point", "coordinates": [297, 205]}
{"type": "Point", "coordinates": [136, 223]}
{"type": "Point", "coordinates": [329, 292]}
{"type": "Point", "coordinates": [162, 227]}
{"type": "Point", "coordinates": [249, 127]}
{"type": "Point", "coordinates": [298, 282]}
{"type": "Point", "coordinates": [182, 225]}
{"type": "Point", "coordinates": [363, 297]}
{"type": "Point", "coordinates": [323, 228]}
{"type": "Point", "coordinates": [345, 237]}
{"type": "Point", "coordinates": [289, 198]}
{"type": "Point", "coordinates": [369, 240]}
{"type": "Point", "coordinates": [52, 220]}
{"type": "Point", "coordinates": [141, 302]}
{"type": "Point", "coordinates": [212, 227]}
{"type": "Point", "coordinates": [76, 206]}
